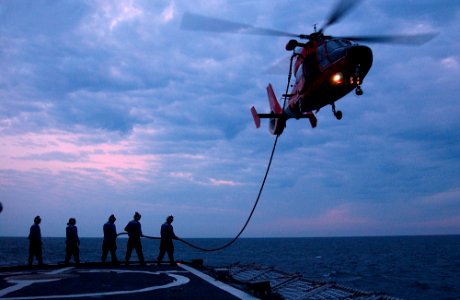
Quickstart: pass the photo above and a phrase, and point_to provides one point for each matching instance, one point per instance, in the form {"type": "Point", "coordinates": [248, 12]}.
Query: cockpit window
{"type": "Point", "coordinates": [336, 49]}
{"type": "Point", "coordinates": [332, 45]}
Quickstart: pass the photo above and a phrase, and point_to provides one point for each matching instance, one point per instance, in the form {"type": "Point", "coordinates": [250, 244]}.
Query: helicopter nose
{"type": "Point", "coordinates": [360, 55]}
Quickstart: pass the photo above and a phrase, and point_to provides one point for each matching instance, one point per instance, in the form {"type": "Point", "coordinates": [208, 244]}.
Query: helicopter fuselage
{"type": "Point", "coordinates": [326, 71]}
{"type": "Point", "coordinates": [326, 67]}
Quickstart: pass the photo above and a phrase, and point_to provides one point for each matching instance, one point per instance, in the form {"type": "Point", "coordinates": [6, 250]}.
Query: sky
{"type": "Point", "coordinates": [110, 107]}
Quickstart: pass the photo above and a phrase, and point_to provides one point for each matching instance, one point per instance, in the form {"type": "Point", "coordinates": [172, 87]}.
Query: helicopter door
{"type": "Point", "coordinates": [310, 67]}
{"type": "Point", "coordinates": [323, 57]}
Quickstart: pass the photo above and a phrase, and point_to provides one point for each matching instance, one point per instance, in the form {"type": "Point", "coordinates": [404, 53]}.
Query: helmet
{"type": "Point", "coordinates": [72, 221]}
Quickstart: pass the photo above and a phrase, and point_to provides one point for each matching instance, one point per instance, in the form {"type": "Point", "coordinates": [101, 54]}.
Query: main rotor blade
{"type": "Point", "coordinates": [415, 39]}
{"type": "Point", "coordinates": [196, 22]}
{"type": "Point", "coordinates": [341, 9]}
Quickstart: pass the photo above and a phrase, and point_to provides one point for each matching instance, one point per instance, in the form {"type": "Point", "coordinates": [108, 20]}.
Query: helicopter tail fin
{"type": "Point", "coordinates": [274, 104]}
{"type": "Point", "coordinates": [255, 116]}
{"type": "Point", "coordinates": [278, 119]}
{"type": "Point", "coordinates": [277, 116]}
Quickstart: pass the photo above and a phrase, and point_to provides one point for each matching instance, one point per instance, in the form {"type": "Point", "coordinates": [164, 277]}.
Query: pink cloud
{"type": "Point", "coordinates": [447, 225]}
{"type": "Point", "coordinates": [182, 175]}
{"type": "Point", "coordinates": [188, 176]}
{"type": "Point", "coordinates": [219, 182]}
{"type": "Point", "coordinates": [445, 197]}
{"type": "Point", "coordinates": [57, 151]}
{"type": "Point", "coordinates": [338, 219]}
{"type": "Point", "coordinates": [168, 13]}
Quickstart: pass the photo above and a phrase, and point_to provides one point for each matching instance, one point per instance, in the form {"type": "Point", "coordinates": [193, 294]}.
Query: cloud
{"type": "Point", "coordinates": [192, 178]}
{"type": "Point", "coordinates": [340, 217]}
{"type": "Point", "coordinates": [335, 220]}
{"type": "Point", "coordinates": [108, 16]}
{"type": "Point", "coordinates": [448, 197]}
{"type": "Point", "coordinates": [110, 102]}
{"type": "Point", "coordinates": [451, 63]}
{"type": "Point", "coordinates": [58, 152]}
{"type": "Point", "coordinates": [168, 13]}
{"type": "Point", "coordinates": [218, 182]}
{"type": "Point", "coordinates": [449, 225]}
{"type": "Point", "coordinates": [125, 12]}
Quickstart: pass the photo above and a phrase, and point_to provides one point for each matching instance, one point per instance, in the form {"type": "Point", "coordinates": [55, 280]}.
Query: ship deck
{"type": "Point", "coordinates": [96, 280]}
{"type": "Point", "coordinates": [182, 281]}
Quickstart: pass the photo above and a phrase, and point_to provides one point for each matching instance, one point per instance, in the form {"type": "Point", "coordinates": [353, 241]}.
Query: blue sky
{"type": "Point", "coordinates": [109, 107]}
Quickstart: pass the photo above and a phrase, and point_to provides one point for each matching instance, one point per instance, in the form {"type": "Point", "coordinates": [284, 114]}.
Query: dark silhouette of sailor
{"type": "Point", "coordinates": [134, 231]}
{"type": "Point", "coordinates": [35, 242]}
{"type": "Point", "coordinates": [110, 240]}
{"type": "Point", "coordinates": [72, 242]}
{"type": "Point", "coordinates": [166, 244]}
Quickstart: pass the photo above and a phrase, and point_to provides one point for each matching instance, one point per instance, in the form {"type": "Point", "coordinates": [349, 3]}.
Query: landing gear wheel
{"type": "Point", "coordinates": [338, 115]}
{"type": "Point", "coordinates": [359, 91]}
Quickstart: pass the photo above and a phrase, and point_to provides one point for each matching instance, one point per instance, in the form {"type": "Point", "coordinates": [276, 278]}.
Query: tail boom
{"type": "Point", "coordinates": [278, 116]}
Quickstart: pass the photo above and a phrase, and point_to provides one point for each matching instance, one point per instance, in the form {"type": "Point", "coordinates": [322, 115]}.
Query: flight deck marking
{"type": "Point", "coordinates": [21, 281]}
{"type": "Point", "coordinates": [229, 289]}
{"type": "Point", "coordinates": [24, 281]}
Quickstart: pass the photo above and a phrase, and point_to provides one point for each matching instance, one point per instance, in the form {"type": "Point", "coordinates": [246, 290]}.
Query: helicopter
{"type": "Point", "coordinates": [326, 68]}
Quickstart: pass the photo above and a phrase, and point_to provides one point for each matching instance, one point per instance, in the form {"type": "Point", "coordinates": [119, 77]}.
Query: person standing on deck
{"type": "Point", "coordinates": [166, 244]}
{"type": "Point", "coordinates": [35, 242]}
{"type": "Point", "coordinates": [134, 231]}
{"type": "Point", "coordinates": [72, 242]}
{"type": "Point", "coordinates": [110, 240]}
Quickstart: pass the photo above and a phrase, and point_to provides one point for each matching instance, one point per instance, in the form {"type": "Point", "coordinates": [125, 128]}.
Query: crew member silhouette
{"type": "Point", "coordinates": [35, 242]}
{"type": "Point", "coordinates": [134, 231]}
{"type": "Point", "coordinates": [166, 244]}
{"type": "Point", "coordinates": [72, 242]}
{"type": "Point", "coordinates": [110, 240]}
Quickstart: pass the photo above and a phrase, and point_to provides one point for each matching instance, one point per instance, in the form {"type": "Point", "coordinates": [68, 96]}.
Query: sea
{"type": "Point", "coordinates": [407, 267]}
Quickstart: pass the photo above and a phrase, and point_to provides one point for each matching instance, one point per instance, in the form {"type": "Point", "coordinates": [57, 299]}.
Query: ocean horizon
{"type": "Point", "coordinates": [408, 267]}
